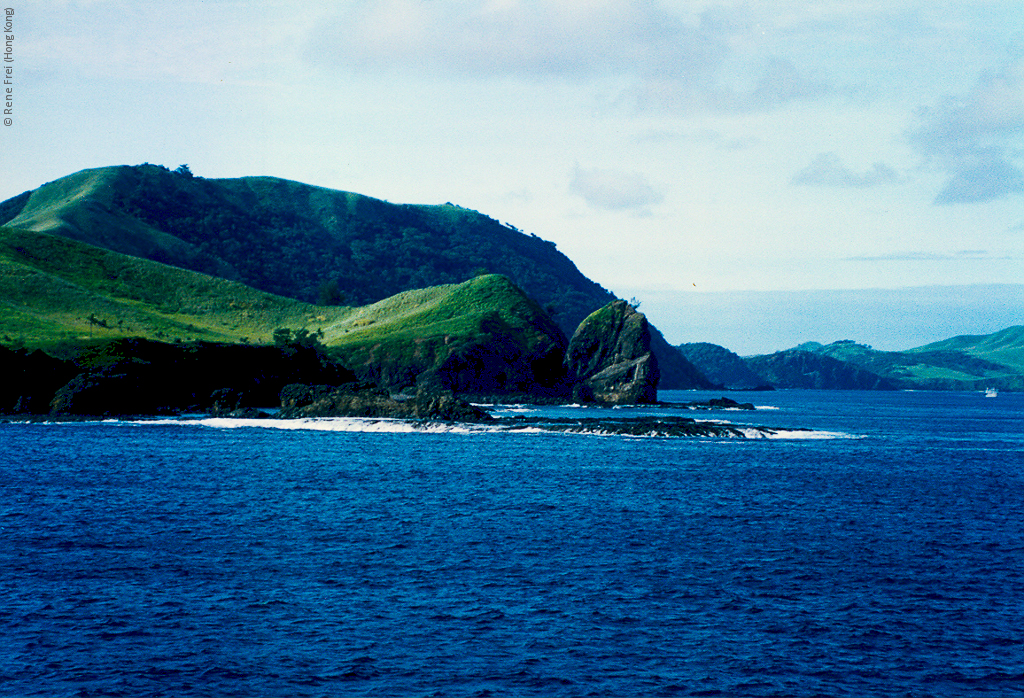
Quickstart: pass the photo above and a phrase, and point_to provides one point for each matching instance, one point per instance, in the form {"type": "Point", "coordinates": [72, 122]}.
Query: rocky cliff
{"type": "Point", "coordinates": [135, 376]}
{"type": "Point", "coordinates": [609, 358]}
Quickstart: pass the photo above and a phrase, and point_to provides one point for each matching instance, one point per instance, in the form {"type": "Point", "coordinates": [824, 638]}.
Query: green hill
{"type": "Point", "coordinates": [722, 366]}
{"type": "Point", "coordinates": [54, 290]}
{"type": "Point", "coordinates": [484, 335]}
{"type": "Point", "coordinates": [1005, 347]}
{"type": "Point", "coordinates": [310, 244]}
{"type": "Point", "coordinates": [299, 241]}
{"type": "Point", "coordinates": [59, 294]}
{"type": "Point", "coordinates": [797, 368]}
{"type": "Point", "coordinates": [943, 365]}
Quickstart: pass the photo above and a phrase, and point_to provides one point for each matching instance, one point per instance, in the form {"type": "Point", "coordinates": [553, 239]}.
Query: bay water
{"type": "Point", "coordinates": [878, 552]}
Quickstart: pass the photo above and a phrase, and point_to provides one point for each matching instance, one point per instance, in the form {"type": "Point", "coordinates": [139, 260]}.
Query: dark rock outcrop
{"type": "Point", "coordinates": [136, 376]}
{"type": "Point", "coordinates": [30, 380]}
{"type": "Point", "coordinates": [356, 400]}
{"type": "Point", "coordinates": [610, 357]}
{"type": "Point", "coordinates": [501, 358]}
{"type": "Point", "coordinates": [677, 371]}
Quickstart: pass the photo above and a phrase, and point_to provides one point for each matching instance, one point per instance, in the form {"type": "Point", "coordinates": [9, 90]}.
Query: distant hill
{"type": "Point", "coordinates": [722, 366]}
{"type": "Point", "coordinates": [796, 368]}
{"type": "Point", "coordinates": [310, 244]}
{"type": "Point", "coordinates": [961, 363]}
{"type": "Point", "coordinates": [1005, 347]}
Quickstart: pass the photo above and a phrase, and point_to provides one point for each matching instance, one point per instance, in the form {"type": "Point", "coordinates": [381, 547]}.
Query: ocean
{"type": "Point", "coordinates": [878, 553]}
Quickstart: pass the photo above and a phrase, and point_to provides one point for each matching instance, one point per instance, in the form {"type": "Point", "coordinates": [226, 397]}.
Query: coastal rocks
{"type": "Point", "coordinates": [31, 380]}
{"type": "Point", "coordinates": [610, 357]}
{"type": "Point", "coordinates": [117, 390]}
{"type": "Point", "coordinates": [499, 358]}
{"type": "Point", "coordinates": [136, 376]}
{"type": "Point", "coordinates": [356, 400]}
{"type": "Point", "coordinates": [662, 427]}
{"type": "Point", "coordinates": [717, 403]}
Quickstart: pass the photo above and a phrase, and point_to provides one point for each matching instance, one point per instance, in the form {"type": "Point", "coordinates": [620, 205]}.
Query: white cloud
{"type": "Point", "coordinates": [670, 58]}
{"type": "Point", "coordinates": [779, 83]}
{"type": "Point", "coordinates": [614, 190]}
{"type": "Point", "coordinates": [827, 170]}
{"type": "Point", "coordinates": [566, 39]}
{"type": "Point", "coordinates": [977, 138]}
{"type": "Point", "coordinates": [961, 256]}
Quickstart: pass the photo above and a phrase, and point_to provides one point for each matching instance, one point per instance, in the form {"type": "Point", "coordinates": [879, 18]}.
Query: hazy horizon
{"type": "Point", "coordinates": [763, 322]}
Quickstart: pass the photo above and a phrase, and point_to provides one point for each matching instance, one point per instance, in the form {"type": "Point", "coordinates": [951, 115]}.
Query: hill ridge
{"type": "Point", "coordinates": [311, 243]}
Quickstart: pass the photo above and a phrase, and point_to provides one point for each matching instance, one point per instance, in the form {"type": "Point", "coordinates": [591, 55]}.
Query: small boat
{"type": "Point", "coordinates": [991, 392]}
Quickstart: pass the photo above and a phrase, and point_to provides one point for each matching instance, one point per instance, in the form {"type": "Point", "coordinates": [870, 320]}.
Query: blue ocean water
{"type": "Point", "coordinates": [881, 553]}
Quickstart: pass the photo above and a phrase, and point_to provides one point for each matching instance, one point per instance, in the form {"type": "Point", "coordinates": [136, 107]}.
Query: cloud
{"type": "Point", "coordinates": [963, 255]}
{"type": "Point", "coordinates": [669, 57]}
{"type": "Point", "coordinates": [614, 190]}
{"type": "Point", "coordinates": [575, 39]}
{"type": "Point", "coordinates": [827, 170]}
{"type": "Point", "coordinates": [985, 176]}
{"type": "Point", "coordinates": [780, 83]}
{"type": "Point", "coordinates": [977, 138]}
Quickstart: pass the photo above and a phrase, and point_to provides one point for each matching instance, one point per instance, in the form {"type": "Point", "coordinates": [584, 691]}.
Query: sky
{"type": "Point", "coordinates": [723, 162]}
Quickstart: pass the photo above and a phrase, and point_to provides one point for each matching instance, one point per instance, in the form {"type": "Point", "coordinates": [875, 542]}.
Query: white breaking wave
{"type": "Point", "coordinates": [795, 434]}
{"type": "Point", "coordinates": [384, 425]}
{"type": "Point", "coordinates": [381, 425]}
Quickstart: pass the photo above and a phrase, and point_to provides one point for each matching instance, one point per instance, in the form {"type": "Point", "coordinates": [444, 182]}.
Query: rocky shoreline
{"type": "Point", "coordinates": [427, 408]}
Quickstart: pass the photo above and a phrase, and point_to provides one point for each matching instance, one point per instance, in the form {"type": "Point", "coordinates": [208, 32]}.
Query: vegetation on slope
{"type": "Point", "coordinates": [1005, 347]}
{"type": "Point", "coordinates": [722, 366]}
{"type": "Point", "coordinates": [940, 366]}
{"type": "Point", "coordinates": [309, 243]}
{"type": "Point", "coordinates": [299, 241]}
{"type": "Point", "coordinates": [56, 290]}
{"type": "Point", "coordinates": [482, 335]}
{"type": "Point", "coordinates": [803, 369]}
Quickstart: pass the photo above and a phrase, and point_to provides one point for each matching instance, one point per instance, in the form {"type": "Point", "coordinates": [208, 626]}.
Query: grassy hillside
{"type": "Point", "coordinates": [57, 293]}
{"type": "Point", "coordinates": [1005, 347]}
{"type": "Point", "coordinates": [299, 241]}
{"type": "Point", "coordinates": [308, 243]}
{"type": "Point", "coordinates": [486, 327]}
{"type": "Point", "coordinates": [939, 366]}
{"type": "Point", "coordinates": [53, 289]}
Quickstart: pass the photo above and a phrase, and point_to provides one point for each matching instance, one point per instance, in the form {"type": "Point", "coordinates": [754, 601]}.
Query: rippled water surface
{"type": "Point", "coordinates": [884, 557]}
